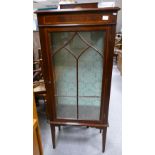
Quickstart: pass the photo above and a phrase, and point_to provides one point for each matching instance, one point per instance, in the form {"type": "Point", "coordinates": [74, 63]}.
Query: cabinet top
{"type": "Point", "coordinates": [77, 10]}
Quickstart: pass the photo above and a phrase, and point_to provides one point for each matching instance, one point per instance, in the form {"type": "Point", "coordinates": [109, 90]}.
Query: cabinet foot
{"type": "Point", "coordinates": [104, 133]}
{"type": "Point", "coordinates": [53, 135]}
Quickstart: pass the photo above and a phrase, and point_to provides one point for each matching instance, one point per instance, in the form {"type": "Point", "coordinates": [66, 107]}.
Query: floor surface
{"type": "Point", "coordinates": [87, 141]}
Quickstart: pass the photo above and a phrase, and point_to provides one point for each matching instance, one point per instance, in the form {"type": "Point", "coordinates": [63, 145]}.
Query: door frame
{"type": "Point", "coordinates": [106, 77]}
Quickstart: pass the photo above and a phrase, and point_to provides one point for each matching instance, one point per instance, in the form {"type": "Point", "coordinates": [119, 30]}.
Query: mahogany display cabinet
{"type": "Point", "coordinates": [77, 47]}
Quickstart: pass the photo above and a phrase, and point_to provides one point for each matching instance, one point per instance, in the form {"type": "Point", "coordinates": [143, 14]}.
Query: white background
{"type": "Point", "coordinates": [16, 64]}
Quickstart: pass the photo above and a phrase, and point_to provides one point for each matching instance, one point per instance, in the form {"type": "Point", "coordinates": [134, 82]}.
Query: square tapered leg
{"type": "Point", "coordinates": [104, 133]}
{"type": "Point", "coordinates": [53, 135]}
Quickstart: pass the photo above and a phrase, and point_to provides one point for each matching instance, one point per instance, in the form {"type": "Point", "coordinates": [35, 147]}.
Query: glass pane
{"type": "Point", "coordinates": [76, 45]}
{"type": "Point", "coordinates": [66, 107]}
{"type": "Point", "coordinates": [65, 73]}
{"type": "Point", "coordinates": [95, 38]}
{"type": "Point", "coordinates": [90, 85]}
{"type": "Point", "coordinates": [89, 108]}
{"type": "Point", "coordinates": [65, 84]}
{"type": "Point", "coordinates": [90, 77]}
{"type": "Point", "coordinates": [78, 65]}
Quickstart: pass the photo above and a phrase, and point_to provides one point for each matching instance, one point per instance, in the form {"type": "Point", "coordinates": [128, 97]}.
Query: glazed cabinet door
{"type": "Point", "coordinates": [77, 59]}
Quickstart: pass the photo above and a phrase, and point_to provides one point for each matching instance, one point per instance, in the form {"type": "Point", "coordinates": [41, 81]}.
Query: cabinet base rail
{"type": "Point", "coordinates": [100, 126]}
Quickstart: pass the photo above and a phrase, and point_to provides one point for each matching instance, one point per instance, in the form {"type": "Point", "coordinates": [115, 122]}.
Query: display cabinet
{"type": "Point", "coordinates": [77, 47]}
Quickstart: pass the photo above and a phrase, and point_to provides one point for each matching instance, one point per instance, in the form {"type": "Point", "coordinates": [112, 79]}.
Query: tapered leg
{"type": "Point", "coordinates": [100, 130]}
{"type": "Point", "coordinates": [53, 135]}
{"type": "Point", "coordinates": [104, 133]}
